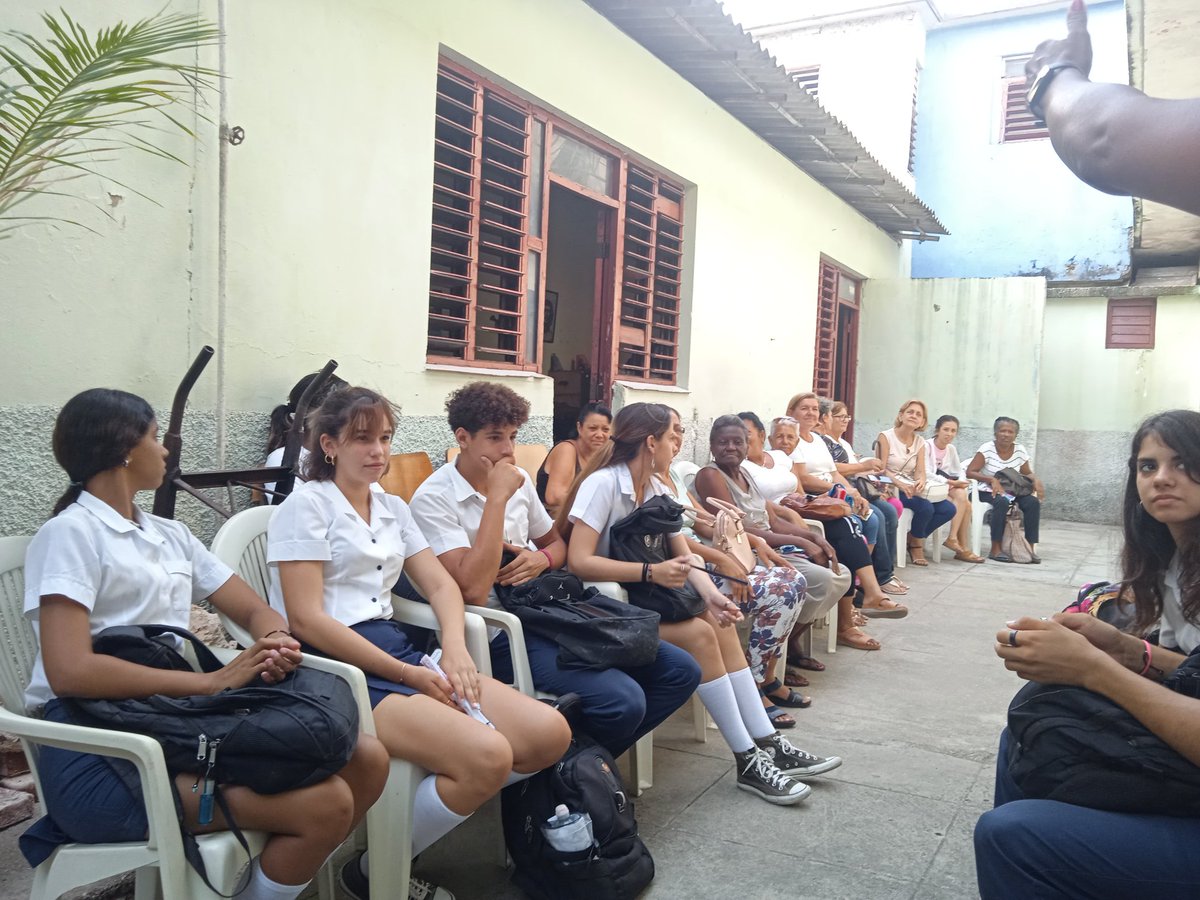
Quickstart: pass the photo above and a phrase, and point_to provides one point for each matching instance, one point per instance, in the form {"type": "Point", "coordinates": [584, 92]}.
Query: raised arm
{"type": "Point", "coordinates": [1114, 137]}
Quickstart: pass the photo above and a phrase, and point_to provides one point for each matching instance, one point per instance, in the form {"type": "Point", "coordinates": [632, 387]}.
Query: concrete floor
{"type": "Point", "coordinates": [916, 724]}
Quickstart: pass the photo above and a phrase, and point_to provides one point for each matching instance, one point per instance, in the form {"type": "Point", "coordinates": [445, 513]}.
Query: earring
{"type": "Point", "coordinates": [330, 460]}
{"type": "Point", "coordinates": [126, 463]}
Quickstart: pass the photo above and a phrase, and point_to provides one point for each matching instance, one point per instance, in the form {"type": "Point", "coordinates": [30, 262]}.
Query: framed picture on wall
{"type": "Point", "coordinates": [551, 317]}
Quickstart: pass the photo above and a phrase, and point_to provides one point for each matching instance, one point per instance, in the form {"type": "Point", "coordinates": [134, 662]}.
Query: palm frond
{"type": "Point", "coordinates": [70, 101]}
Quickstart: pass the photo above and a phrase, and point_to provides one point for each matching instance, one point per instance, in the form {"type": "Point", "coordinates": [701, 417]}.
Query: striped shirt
{"type": "Point", "coordinates": [992, 463]}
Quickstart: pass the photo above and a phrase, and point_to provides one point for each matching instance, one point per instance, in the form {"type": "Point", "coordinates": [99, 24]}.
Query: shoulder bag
{"type": "Point", "coordinates": [641, 537]}
{"type": "Point", "coordinates": [1013, 541]}
{"type": "Point", "coordinates": [729, 535]}
{"type": "Point", "coordinates": [819, 508]}
{"type": "Point", "coordinates": [592, 631]}
{"type": "Point", "coordinates": [1014, 482]}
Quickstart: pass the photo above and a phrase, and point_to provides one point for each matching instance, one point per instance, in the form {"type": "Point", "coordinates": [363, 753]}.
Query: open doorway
{"type": "Point", "coordinates": [578, 271]}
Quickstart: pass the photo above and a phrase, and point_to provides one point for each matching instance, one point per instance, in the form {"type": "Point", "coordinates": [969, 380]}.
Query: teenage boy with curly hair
{"type": "Point", "coordinates": [474, 509]}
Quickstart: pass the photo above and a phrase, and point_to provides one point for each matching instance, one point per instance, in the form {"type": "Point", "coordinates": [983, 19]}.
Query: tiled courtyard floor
{"type": "Point", "coordinates": [916, 724]}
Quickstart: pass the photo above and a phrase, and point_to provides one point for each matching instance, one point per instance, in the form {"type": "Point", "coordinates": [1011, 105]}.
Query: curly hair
{"type": "Point", "coordinates": [482, 403]}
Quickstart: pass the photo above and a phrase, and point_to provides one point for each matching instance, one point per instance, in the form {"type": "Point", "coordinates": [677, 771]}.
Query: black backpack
{"type": "Point", "coordinates": [617, 867]}
{"type": "Point", "coordinates": [1079, 747]}
{"type": "Point", "coordinates": [592, 631]}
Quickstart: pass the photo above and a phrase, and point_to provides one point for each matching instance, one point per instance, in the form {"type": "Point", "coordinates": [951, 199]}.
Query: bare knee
{"type": "Point", "coordinates": [368, 768]}
{"type": "Point", "coordinates": [550, 736]}
{"type": "Point", "coordinates": [486, 762]}
{"type": "Point", "coordinates": [334, 798]}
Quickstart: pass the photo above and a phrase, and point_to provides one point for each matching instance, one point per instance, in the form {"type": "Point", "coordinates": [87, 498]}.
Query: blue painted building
{"type": "Point", "coordinates": [1010, 204]}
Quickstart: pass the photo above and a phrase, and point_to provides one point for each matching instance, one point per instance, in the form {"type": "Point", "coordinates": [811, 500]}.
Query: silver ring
{"type": "Point", "coordinates": [1012, 638]}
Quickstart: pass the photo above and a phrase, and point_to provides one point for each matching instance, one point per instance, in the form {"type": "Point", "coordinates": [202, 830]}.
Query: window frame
{"type": "Point", "coordinates": [1016, 120]}
{"type": "Point", "coordinates": [1124, 307]}
{"type": "Point", "coordinates": [537, 243]}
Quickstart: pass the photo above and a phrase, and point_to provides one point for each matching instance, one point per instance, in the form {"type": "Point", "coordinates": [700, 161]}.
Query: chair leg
{"type": "Point", "coordinates": [145, 883]}
{"type": "Point", "coordinates": [831, 619]}
{"type": "Point", "coordinates": [641, 764]}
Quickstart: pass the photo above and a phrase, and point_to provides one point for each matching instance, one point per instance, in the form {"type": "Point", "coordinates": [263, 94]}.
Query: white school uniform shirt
{"type": "Point", "coordinates": [606, 496]}
{"type": "Point", "coordinates": [1174, 629]}
{"type": "Point", "coordinates": [362, 562]}
{"type": "Point", "coordinates": [145, 572]}
{"type": "Point", "coordinates": [448, 512]}
{"type": "Point", "coordinates": [816, 457]}
{"type": "Point", "coordinates": [275, 458]}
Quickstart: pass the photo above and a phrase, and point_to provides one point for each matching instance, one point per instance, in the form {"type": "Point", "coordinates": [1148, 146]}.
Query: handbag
{"type": "Point", "coordinates": [641, 537]}
{"type": "Point", "coordinates": [1013, 542]}
{"type": "Point", "coordinates": [1015, 483]}
{"type": "Point", "coordinates": [1079, 747]}
{"type": "Point", "coordinates": [819, 508]}
{"type": "Point", "coordinates": [592, 631]}
{"type": "Point", "coordinates": [1108, 602]}
{"type": "Point", "coordinates": [936, 489]}
{"type": "Point", "coordinates": [729, 535]}
{"type": "Point", "coordinates": [869, 488]}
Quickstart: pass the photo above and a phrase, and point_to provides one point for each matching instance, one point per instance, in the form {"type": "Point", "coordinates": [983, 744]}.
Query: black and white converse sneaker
{"type": "Point", "coordinates": [758, 775]}
{"type": "Point", "coordinates": [791, 760]}
{"type": "Point", "coordinates": [355, 885]}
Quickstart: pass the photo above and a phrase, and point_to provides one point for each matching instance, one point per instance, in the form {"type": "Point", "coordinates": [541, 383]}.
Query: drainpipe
{"type": "Point", "coordinates": [222, 208]}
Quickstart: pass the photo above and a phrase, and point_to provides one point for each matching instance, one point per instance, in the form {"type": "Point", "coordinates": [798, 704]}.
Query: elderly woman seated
{"type": "Point", "coordinates": [903, 453]}
{"type": "Point", "coordinates": [1000, 453]}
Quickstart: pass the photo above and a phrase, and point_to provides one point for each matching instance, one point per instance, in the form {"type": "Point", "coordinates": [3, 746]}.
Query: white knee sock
{"type": "Point", "coordinates": [260, 887]}
{"type": "Point", "coordinates": [431, 817]}
{"type": "Point", "coordinates": [514, 776]}
{"type": "Point", "coordinates": [717, 697]}
{"type": "Point", "coordinates": [750, 704]}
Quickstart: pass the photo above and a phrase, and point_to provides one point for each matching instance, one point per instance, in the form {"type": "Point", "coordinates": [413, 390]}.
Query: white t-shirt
{"type": "Point", "coordinates": [992, 463]}
{"type": "Point", "coordinates": [815, 456]}
{"type": "Point", "coordinates": [123, 573]}
{"type": "Point", "coordinates": [775, 482]}
{"type": "Point", "coordinates": [1174, 629]}
{"type": "Point", "coordinates": [363, 561]}
{"type": "Point", "coordinates": [606, 496]}
{"type": "Point", "coordinates": [448, 511]}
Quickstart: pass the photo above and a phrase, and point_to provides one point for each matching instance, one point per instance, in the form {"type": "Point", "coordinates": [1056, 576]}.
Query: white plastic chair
{"type": "Point", "coordinates": [241, 543]}
{"type": "Point", "coordinates": [158, 860]}
{"type": "Point", "coordinates": [979, 509]}
{"type": "Point", "coordinates": [933, 543]}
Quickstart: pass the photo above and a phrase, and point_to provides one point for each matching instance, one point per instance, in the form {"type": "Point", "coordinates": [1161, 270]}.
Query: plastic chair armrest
{"type": "Point", "coordinates": [421, 614]}
{"type": "Point", "coordinates": [609, 589]}
{"type": "Point", "coordinates": [511, 626]}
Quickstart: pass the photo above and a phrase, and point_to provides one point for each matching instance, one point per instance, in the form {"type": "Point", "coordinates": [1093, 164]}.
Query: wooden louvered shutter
{"type": "Point", "coordinates": [1130, 324]}
{"type": "Point", "coordinates": [825, 357]}
{"type": "Point", "coordinates": [1019, 123]}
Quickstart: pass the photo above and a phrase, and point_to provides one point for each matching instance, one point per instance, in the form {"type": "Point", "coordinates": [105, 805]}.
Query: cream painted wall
{"type": "Point", "coordinates": [328, 222]}
{"type": "Point", "coordinates": [1086, 387]}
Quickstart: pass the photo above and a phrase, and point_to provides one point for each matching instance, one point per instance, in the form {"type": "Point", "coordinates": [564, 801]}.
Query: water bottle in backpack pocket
{"type": "Point", "coordinates": [568, 832]}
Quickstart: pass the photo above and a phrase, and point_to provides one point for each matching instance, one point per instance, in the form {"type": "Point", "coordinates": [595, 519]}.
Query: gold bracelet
{"type": "Point", "coordinates": [403, 669]}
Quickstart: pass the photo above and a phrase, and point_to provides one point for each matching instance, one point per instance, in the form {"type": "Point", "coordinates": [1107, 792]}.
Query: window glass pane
{"type": "Point", "coordinates": [582, 164]}
{"type": "Point", "coordinates": [533, 273]}
{"type": "Point", "coordinates": [537, 164]}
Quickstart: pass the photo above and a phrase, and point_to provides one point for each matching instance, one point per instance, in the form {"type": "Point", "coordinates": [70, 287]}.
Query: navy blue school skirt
{"type": "Point", "coordinates": [388, 636]}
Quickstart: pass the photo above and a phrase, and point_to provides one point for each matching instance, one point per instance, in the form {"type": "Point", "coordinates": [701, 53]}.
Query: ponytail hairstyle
{"type": "Point", "coordinates": [283, 414]}
{"type": "Point", "coordinates": [344, 411]}
{"type": "Point", "coordinates": [1149, 545]}
{"type": "Point", "coordinates": [95, 432]}
{"type": "Point", "coordinates": [631, 426]}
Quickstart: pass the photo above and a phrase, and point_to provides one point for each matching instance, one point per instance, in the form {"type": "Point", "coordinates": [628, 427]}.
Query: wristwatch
{"type": "Point", "coordinates": [1041, 81]}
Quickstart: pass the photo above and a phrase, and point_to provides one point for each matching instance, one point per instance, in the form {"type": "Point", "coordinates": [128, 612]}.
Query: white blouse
{"type": "Point", "coordinates": [775, 482]}
{"type": "Point", "coordinates": [363, 561]}
{"type": "Point", "coordinates": [142, 572]}
{"type": "Point", "coordinates": [1174, 629]}
{"type": "Point", "coordinates": [607, 496]}
{"type": "Point", "coordinates": [815, 456]}
{"type": "Point", "coordinates": [992, 463]}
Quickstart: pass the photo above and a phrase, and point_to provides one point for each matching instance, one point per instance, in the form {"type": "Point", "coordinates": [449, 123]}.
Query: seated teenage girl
{"type": "Point", "coordinates": [336, 548]}
{"type": "Point", "coordinates": [618, 480]}
{"type": "Point", "coordinates": [282, 417]}
{"type": "Point", "coordinates": [101, 562]}
{"type": "Point", "coordinates": [1046, 848]}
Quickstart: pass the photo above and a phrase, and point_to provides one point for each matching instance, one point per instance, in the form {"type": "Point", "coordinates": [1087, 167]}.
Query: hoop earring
{"type": "Point", "coordinates": [330, 460]}
{"type": "Point", "coordinates": [126, 463]}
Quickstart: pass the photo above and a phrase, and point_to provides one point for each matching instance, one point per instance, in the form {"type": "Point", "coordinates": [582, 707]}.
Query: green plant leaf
{"type": "Point", "coordinates": [78, 99]}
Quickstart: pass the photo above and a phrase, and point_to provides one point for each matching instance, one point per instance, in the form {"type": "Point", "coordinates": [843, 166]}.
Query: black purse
{"type": "Point", "coordinates": [641, 537]}
{"type": "Point", "coordinates": [1015, 483]}
{"type": "Point", "coordinates": [592, 631]}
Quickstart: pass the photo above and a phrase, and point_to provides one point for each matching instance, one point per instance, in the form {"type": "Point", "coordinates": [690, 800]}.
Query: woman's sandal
{"type": "Point", "coordinates": [894, 587]}
{"type": "Point", "coordinates": [792, 700]}
{"type": "Point", "coordinates": [858, 620]}
{"type": "Point", "coordinates": [893, 610]}
{"type": "Point", "coordinates": [967, 556]}
{"type": "Point", "coordinates": [917, 560]}
{"type": "Point", "coordinates": [779, 718]}
{"type": "Point", "coordinates": [857, 640]}
{"type": "Point", "coordinates": [805, 662]}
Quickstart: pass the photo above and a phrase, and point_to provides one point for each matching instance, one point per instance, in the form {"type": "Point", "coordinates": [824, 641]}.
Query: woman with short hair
{"type": "Point", "coordinates": [1003, 452]}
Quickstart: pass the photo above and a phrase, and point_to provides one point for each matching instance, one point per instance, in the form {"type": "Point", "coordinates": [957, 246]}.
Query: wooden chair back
{"type": "Point", "coordinates": [405, 473]}
{"type": "Point", "coordinates": [528, 457]}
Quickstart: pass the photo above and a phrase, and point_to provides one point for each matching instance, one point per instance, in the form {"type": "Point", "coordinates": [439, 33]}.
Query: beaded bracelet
{"type": "Point", "coordinates": [645, 572]}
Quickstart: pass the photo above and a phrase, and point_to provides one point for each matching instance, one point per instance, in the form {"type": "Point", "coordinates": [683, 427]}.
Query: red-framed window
{"type": "Point", "coordinates": [1017, 123]}
{"type": "Point", "coordinates": [495, 155]}
{"type": "Point", "coordinates": [1130, 323]}
{"type": "Point", "coordinates": [835, 360]}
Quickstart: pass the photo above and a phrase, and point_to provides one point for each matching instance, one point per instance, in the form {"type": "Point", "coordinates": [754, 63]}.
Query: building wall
{"type": "Point", "coordinates": [1012, 209]}
{"type": "Point", "coordinates": [968, 347]}
{"type": "Point", "coordinates": [867, 76]}
{"type": "Point", "coordinates": [1092, 399]}
{"type": "Point", "coordinates": [328, 231]}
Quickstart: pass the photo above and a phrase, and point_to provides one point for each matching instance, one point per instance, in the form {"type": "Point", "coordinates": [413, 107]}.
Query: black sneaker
{"type": "Point", "coordinates": [791, 760]}
{"type": "Point", "coordinates": [357, 887]}
{"type": "Point", "coordinates": [758, 775]}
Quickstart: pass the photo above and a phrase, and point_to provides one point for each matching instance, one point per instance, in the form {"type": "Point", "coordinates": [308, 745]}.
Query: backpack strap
{"type": "Point", "coordinates": [205, 657]}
